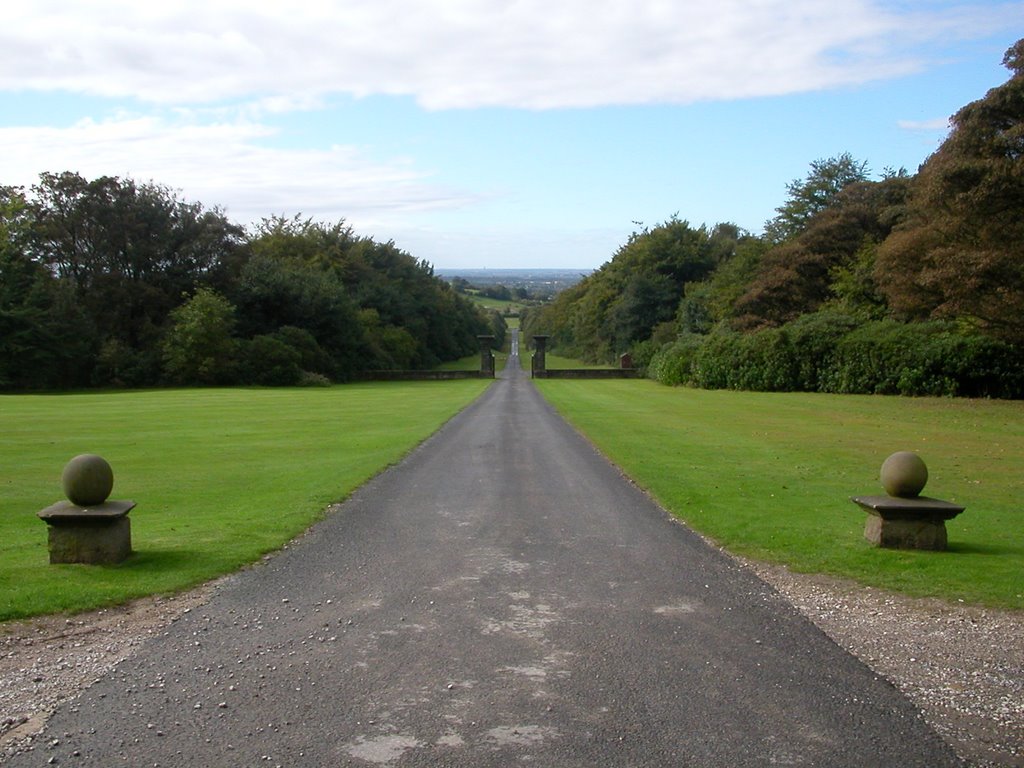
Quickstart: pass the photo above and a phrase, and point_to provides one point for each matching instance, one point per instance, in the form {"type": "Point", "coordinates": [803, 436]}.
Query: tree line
{"type": "Point", "coordinates": [108, 282]}
{"type": "Point", "coordinates": [908, 284]}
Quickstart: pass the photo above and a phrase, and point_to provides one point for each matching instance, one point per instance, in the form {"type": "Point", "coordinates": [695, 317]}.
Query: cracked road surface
{"type": "Point", "coordinates": [503, 596]}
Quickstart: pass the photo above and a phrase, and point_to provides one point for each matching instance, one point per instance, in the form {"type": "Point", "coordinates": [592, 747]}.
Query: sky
{"type": "Point", "coordinates": [489, 133]}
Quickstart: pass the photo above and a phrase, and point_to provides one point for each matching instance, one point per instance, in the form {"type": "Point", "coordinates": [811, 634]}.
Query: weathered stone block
{"type": "Point", "coordinates": [898, 523]}
{"type": "Point", "coordinates": [905, 534]}
{"type": "Point", "coordinates": [100, 534]}
{"type": "Point", "coordinates": [97, 543]}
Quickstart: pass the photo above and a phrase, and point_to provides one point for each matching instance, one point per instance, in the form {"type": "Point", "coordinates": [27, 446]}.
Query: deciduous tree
{"type": "Point", "coordinates": [199, 347]}
{"type": "Point", "coordinates": [960, 253]}
{"type": "Point", "coordinates": [813, 194]}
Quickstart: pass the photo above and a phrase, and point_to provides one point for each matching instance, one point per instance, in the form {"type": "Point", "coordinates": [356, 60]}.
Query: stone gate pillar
{"type": "Point", "coordinates": [486, 356]}
{"type": "Point", "coordinates": [539, 364]}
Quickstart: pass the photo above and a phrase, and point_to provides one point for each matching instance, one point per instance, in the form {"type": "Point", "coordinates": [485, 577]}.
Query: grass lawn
{"type": "Point", "coordinates": [468, 363]}
{"type": "Point", "coordinates": [472, 363]}
{"type": "Point", "coordinates": [769, 476]}
{"type": "Point", "coordinates": [552, 362]}
{"type": "Point", "coordinates": [502, 305]}
{"type": "Point", "coordinates": [220, 476]}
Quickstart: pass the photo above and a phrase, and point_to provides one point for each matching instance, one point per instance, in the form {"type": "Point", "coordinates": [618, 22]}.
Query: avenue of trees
{"type": "Point", "coordinates": [112, 283]}
{"type": "Point", "coordinates": [908, 284]}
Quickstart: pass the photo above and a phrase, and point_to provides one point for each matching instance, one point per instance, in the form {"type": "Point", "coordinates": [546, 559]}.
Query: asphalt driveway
{"type": "Point", "coordinates": [502, 597]}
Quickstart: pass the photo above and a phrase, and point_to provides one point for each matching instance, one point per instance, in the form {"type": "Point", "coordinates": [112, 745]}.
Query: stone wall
{"type": "Point", "coordinates": [421, 375]}
{"type": "Point", "coordinates": [588, 373]}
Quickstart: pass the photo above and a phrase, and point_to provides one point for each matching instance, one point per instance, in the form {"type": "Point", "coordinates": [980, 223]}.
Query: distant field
{"type": "Point", "coordinates": [770, 475]}
{"type": "Point", "coordinates": [501, 305]}
{"type": "Point", "coordinates": [220, 476]}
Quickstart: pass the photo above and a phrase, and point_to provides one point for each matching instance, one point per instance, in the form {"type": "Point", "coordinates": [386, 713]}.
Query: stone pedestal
{"type": "Point", "coordinates": [99, 535]}
{"type": "Point", "coordinates": [539, 364]}
{"type": "Point", "coordinates": [914, 523]}
{"type": "Point", "coordinates": [486, 356]}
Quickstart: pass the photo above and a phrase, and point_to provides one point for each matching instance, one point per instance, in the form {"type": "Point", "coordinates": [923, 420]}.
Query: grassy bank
{"type": "Point", "coordinates": [220, 476]}
{"type": "Point", "coordinates": [472, 363]}
{"type": "Point", "coordinates": [553, 362]}
{"type": "Point", "coordinates": [770, 476]}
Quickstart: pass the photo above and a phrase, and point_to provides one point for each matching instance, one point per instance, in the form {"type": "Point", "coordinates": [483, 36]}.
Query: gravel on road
{"type": "Point", "coordinates": [962, 665]}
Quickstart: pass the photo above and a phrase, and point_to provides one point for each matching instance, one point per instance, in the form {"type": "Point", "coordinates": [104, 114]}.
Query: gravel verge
{"type": "Point", "coordinates": [963, 666]}
{"type": "Point", "coordinates": [47, 661]}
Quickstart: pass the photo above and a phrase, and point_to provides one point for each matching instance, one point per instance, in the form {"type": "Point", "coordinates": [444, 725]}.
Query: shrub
{"type": "Point", "coordinates": [312, 356]}
{"type": "Point", "coordinates": [716, 363]}
{"type": "Point", "coordinates": [829, 351]}
{"type": "Point", "coordinates": [643, 353]}
{"type": "Point", "coordinates": [934, 358]}
{"type": "Point", "coordinates": [308, 379]}
{"type": "Point", "coordinates": [199, 347]}
{"type": "Point", "coordinates": [270, 362]}
{"type": "Point", "coordinates": [813, 340]}
{"type": "Point", "coordinates": [673, 363]}
{"type": "Point", "coordinates": [770, 365]}
{"type": "Point", "coordinates": [761, 361]}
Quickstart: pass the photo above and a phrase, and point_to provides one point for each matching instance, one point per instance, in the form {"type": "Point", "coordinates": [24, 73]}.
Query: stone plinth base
{"type": "Point", "coordinates": [99, 535]}
{"type": "Point", "coordinates": [917, 523]}
{"type": "Point", "coordinates": [905, 534]}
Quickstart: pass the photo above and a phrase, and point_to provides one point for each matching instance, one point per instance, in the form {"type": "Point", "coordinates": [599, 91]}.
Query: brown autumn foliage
{"type": "Point", "coordinates": [960, 251]}
{"type": "Point", "coordinates": [796, 277]}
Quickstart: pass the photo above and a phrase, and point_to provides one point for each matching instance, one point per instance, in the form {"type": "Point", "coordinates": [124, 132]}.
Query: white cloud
{"type": "Point", "coordinates": [469, 53]}
{"type": "Point", "coordinates": [224, 164]}
{"type": "Point", "coordinates": [209, 74]}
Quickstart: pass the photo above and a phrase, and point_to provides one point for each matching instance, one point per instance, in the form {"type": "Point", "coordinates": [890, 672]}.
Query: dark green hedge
{"type": "Point", "coordinates": [832, 352]}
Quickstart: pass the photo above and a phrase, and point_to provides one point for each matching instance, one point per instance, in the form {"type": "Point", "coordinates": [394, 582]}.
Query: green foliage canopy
{"type": "Point", "coordinates": [113, 283]}
{"type": "Point", "coordinates": [619, 305]}
{"type": "Point", "coordinates": [813, 194]}
{"type": "Point", "coordinates": [908, 284]}
{"type": "Point", "coordinates": [199, 347]}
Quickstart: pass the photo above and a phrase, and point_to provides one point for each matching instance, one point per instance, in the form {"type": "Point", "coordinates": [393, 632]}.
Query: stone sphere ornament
{"type": "Point", "coordinates": [87, 480]}
{"type": "Point", "coordinates": [87, 527]}
{"type": "Point", "coordinates": [904, 475]}
{"type": "Point", "coordinates": [904, 519]}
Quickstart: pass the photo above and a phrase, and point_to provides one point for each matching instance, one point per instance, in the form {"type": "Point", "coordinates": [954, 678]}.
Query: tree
{"type": "Point", "coordinates": [640, 288]}
{"type": "Point", "coordinates": [646, 301]}
{"type": "Point", "coordinates": [23, 304]}
{"type": "Point", "coordinates": [707, 303]}
{"type": "Point", "coordinates": [403, 291]}
{"type": "Point", "coordinates": [274, 292]}
{"type": "Point", "coordinates": [129, 252]}
{"type": "Point", "coordinates": [799, 275]}
{"type": "Point", "coordinates": [854, 285]}
{"type": "Point", "coordinates": [199, 347]}
{"type": "Point", "coordinates": [46, 341]}
{"type": "Point", "coordinates": [812, 194]}
{"type": "Point", "coordinates": [499, 292]}
{"type": "Point", "coordinates": [960, 253]}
